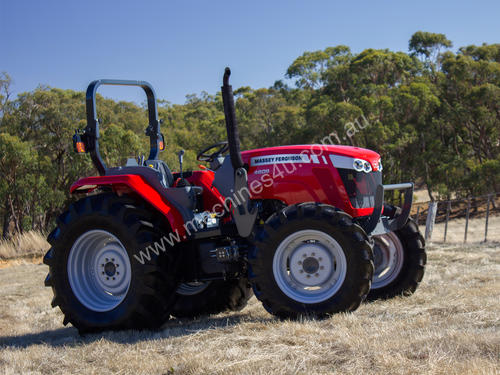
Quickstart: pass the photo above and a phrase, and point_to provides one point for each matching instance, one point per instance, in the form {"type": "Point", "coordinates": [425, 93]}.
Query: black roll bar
{"type": "Point", "coordinates": [92, 129]}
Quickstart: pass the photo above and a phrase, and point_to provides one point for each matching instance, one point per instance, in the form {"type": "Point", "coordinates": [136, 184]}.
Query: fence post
{"type": "Point", "coordinates": [431, 218]}
{"type": "Point", "coordinates": [448, 209]}
{"type": "Point", "coordinates": [467, 220]}
{"type": "Point", "coordinates": [487, 217]}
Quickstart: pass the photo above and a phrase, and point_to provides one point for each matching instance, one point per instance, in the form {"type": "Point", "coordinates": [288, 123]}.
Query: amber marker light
{"type": "Point", "coordinates": [80, 147]}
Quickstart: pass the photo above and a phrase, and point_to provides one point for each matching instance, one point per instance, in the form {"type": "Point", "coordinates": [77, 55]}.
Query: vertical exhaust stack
{"type": "Point", "coordinates": [243, 211]}
{"type": "Point", "coordinates": [233, 137]}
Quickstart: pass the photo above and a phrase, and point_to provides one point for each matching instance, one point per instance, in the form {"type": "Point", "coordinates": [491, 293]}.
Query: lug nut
{"type": "Point", "coordinates": [316, 274]}
{"type": "Point", "coordinates": [300, 262]}
{"type": "Point", "coordinates": [107, 278]}
{"type": "Point", "coordinates": [308, 276]}
{"type": "Point", "coordinates": [118, 273]}
{"type": "Point", "coordinates": [313, 254]}
{"type": "Point", "coordinates": [321, 267]}
{"type": "Point", "coordinates": [113, 278]}
{"type": "Point", "coordinates": [320, 259]}
{"type": "Point", "coordinates": [304, 255]}
{"type": "Point", "coordinates": [107, 260]}
{"type": "Point", "coordinates": [301, 271]}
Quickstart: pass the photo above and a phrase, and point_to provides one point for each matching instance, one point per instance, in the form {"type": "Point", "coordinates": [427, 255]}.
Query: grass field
{"type": "Point", "coordinates": [475, 233]}
{"type": "Point", "coordinates": [450, 326]}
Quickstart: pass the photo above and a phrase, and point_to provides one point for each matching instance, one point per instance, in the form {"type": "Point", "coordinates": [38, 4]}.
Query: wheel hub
{"type": "Point", "coordinates": [309, 266]}
{"type": "Point", "coordinates": [99, 270]}
{"type": "Point", "coordinates": [110, 269]}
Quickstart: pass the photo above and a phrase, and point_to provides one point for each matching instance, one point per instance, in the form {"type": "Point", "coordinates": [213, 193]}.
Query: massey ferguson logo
{"type": "Point", "coordinates": [279, 159]}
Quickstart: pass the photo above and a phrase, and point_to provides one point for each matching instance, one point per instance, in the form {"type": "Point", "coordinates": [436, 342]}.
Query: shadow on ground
{"type": "Point", "coordinates": [174, 328]}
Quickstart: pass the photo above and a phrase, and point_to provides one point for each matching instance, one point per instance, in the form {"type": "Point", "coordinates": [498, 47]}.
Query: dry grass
{"type": "Point", "coordinates": [475, 233]}
{"type": "Point", "coordinates": [26, 245]}
{"type": "Point", "coordinates": [450, 326]}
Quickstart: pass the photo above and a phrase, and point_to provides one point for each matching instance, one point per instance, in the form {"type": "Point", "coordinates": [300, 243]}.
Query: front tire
{"type": "Point", "coordinates": [99, 277]}
{"type": "Point", "coordinates": [400, 260]}
{"type": "Point", "coordinates": [310, 259]}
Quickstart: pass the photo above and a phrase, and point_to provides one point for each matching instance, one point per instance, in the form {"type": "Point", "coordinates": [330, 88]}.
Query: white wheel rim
{"type": "Point", "coordinates": [388, 254]}
{"type": "Point", "coordinates": [99, 270]}
{"type": "Point", "coordinates": [309, 266]}
{"type": "Point", "coordinates": [192, 288]}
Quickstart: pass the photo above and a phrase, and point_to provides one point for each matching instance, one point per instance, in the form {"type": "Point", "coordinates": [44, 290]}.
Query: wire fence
{"type": "Point", "coordinates": [460, 212]}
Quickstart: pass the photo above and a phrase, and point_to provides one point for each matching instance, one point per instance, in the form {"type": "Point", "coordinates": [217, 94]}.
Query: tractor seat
{"type": "Point", "coordinates": [156, 170]}
{"type": "Point", "coordinates": [166, 179]}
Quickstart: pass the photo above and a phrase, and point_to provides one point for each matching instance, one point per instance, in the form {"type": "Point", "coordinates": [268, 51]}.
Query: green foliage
{"type": "Point", "coordinates": [310, 67]}
{"type": "Point", "coordinates": [433, 115]}
{"type": "Point", "coordinates": [427, 44]}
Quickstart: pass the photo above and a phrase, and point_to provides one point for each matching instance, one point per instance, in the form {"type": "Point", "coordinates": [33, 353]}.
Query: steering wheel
{"type": "Point", "coordinates": [220, 147]}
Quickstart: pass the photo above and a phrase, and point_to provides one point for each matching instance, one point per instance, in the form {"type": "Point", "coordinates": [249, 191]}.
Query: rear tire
{"type": "Point", "coordinates": [310, 259]}
{"type": "Point", "coordinates": [400, 260]}
{"type": "Point", "coordinates": [96, 239]}
{"type": "Point", "coordinates": [211, 297]}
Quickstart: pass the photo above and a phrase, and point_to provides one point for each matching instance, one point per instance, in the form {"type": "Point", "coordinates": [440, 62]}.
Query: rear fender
{"type": "Point", "coordinates": [122, 184]}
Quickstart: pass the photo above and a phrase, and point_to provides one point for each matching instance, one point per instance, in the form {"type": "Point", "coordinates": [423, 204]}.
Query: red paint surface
{"type": "Point", "coordinates": [306, 182]}
{"type": "Point", "coordinates": [135, 184]}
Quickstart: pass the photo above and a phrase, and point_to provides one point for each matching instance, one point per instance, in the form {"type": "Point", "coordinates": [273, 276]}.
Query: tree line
{"type": "Point", "coordinates": [432, 113]}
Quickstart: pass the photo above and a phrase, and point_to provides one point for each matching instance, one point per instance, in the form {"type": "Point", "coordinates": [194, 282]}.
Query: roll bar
{"type": "Point", "coordinates": [90, 136]}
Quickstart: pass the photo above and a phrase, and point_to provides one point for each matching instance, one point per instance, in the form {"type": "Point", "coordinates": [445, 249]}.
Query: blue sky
{"type": "Point", "coordinates": [182, 47]}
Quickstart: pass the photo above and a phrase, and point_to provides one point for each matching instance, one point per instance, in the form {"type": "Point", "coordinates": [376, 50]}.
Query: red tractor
{"type": "Point", "coordinates": [304, 227]}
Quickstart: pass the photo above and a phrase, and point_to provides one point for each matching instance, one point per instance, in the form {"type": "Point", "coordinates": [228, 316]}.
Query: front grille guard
{"type": "Point", "coordinates": [378, 224]}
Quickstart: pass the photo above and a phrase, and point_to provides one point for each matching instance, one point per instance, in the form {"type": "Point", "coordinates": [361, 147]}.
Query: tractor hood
{"type": "Point", "coordinates": [343, 176]}
{"type": "Point", "coordinates": [315, 154]}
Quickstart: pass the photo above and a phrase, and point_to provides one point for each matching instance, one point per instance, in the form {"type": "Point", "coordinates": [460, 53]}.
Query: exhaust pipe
{"type": "Point", "coordinates": [233, 137]}
{"type": "Point", "coordinates": [243, 210]}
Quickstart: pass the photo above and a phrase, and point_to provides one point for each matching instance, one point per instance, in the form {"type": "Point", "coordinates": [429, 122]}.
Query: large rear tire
{"type": "Point", "coordinates": [310, 259]}
{"type": "Point", "coordinates": [100, 279]}
{"type": "Point", "coordinates": [212, 297]}
{"type": "Point", "coordinates": [400, 260]}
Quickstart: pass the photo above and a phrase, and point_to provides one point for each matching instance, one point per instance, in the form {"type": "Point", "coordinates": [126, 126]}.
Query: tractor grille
{"type": "Point", "coordinates": [360, 186]}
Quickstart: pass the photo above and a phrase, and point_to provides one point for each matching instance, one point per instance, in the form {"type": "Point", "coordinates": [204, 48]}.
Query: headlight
{"type": "Point", "coordinates": [361, 165]}
{"type": "Point", "coordinates": [358, 165]}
